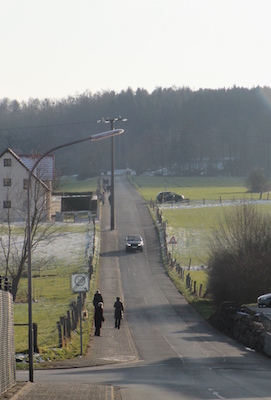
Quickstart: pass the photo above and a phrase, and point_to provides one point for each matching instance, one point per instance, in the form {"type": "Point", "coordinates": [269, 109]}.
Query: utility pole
{"type": "Point", "coordinates": [112, 191]}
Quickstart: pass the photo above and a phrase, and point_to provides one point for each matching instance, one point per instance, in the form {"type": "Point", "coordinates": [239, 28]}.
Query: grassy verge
{"type": "Point", "coordinates": [52, 295]}
{"type": "Point", "coordinates": [204, 306]}
{"type": "Point", "coordinates": [52, 299]}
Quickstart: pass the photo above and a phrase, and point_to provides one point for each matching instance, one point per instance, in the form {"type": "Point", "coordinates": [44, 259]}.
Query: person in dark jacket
{"type": "Point", "coordinates": [118, 312]}
{"type": "Point", "coordinates": [97, 298]}
{"type": "Point", "coordinates": [98, 318]}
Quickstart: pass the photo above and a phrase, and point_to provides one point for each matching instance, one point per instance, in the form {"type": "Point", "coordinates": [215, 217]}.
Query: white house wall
{"type": "Point", "coordinates": [16, 193]}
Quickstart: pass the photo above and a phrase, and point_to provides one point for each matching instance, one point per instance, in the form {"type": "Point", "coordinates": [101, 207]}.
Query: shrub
{"type": "Point", "coordinates": [240, 255]}
{"type": "Point", "coordinates": [257, 182]}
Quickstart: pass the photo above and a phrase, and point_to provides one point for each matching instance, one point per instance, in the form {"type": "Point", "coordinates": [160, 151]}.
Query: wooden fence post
{"type": "Point", "coordinates": [60, 342]}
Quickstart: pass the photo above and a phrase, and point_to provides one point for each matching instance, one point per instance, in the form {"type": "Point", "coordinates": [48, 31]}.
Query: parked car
{"type": "Point", "coordinates": [264, 300]}
{"type": "Point", "coordinates": [134, 242]}
{"type": "Point", "coordinates": [164, 197]}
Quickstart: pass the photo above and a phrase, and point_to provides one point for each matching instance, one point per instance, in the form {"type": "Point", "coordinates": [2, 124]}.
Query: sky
{"type": "Point", "coordinates": [60, 48]}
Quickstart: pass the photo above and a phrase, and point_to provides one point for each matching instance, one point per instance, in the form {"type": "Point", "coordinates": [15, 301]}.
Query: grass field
{"type": "Point", "coordinates": [52, 295]}
{"type": "Point", "coordinates": [194, 188]}
{"type": "Point", "coordinates": [191, 225]}
{"type": "Point", "coordinates": [52, 265]}
{"type": "Point", "coordinates": [71, 184]}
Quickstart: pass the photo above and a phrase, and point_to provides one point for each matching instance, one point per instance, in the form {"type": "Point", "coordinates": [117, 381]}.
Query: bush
{"type": "Point", "coordinates": [257, 182]}
{"type": "Point", "coordinates": [240, 256]}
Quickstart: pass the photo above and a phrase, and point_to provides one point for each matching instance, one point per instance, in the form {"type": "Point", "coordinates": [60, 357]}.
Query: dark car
{"type": "Point", "coordinates": [134, 242]}
{"type": "Point", "coordinates": [264, 300]}
{"type": "Point", "coordinates": [164, 197]}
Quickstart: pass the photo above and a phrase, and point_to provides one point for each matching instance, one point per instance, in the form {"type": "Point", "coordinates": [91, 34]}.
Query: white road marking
{"type": "Point", "coordinates": [179, 355]}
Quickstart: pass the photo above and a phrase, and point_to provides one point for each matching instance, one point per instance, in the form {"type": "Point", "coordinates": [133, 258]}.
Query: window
{"type": "Point", "coordinates": [25, 183]}
{"type": "Point", "coordinates": [7, 182]}
{"type": "Point", "coordinates": [7, 162]}
{"type": "Point", "coordinates": [7, 204]}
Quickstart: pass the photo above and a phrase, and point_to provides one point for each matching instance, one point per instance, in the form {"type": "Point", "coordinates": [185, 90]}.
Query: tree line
{"type": "Point", "coordinates": [170, 130]}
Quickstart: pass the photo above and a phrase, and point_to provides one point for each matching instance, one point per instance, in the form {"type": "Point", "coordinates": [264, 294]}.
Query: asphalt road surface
{"type": "Point", "coordinates": [180, 355]}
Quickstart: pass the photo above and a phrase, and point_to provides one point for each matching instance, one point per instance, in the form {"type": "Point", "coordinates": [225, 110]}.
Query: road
{"type": "Point", "coordinates": [180, 355]}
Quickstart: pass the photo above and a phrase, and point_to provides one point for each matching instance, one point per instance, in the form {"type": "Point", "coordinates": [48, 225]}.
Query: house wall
{"type": "Point", "coordinates": [16, 193]}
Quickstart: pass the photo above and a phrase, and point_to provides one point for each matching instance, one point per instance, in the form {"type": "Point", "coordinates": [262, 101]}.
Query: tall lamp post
{"type": "Point", "coordinates": [112, 191]}
{"type": "Point", "coordinates": [95, 137]}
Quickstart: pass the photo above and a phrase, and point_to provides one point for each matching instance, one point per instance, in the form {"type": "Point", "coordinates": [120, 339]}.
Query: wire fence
{"type": "Point", "coordinates": [7, 343]}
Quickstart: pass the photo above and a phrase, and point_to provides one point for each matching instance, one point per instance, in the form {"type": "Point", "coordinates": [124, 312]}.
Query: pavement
{"type": "Point", "coordinates": [114, 346]}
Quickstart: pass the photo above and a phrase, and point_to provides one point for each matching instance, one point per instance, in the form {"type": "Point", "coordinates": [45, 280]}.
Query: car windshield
{"type": "Point", "coordinates": [137, 238]}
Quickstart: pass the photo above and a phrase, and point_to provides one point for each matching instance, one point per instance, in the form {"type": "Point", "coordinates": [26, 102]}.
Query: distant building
{"type": "Point", "coordinates": [14, 175]}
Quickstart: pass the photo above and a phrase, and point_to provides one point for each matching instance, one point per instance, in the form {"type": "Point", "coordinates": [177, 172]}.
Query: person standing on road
{"type": "Point", "coordinates": [97, 298]}
{"type": "Point", "coordinates": [98, 318]}
{"type": "Point", "coordinates": [118, 312]}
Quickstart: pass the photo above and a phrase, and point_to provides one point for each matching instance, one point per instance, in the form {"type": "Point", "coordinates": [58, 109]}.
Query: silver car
{"type": "Point", "coordinates": [264, 300]}
{"type": "Point", "coordinates": [134, 242]}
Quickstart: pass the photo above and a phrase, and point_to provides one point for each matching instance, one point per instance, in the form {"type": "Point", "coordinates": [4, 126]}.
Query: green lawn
{"type": "Point", "coordinates": [194, 188]}
{"type": "Point", "coordinates": [71, 184]}
{"type": "Point", "coordinates": [51, 290]}
{"type": "Point", "coordinates": [192, 225]}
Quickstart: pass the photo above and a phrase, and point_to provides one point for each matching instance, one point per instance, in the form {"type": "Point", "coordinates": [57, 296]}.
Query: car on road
{"type": "Point", "coordinates": [134, 242]}
{"type": "Point", "coordinates": [164, 197]}
{"type": "Point", "coordinates": [264, 300]}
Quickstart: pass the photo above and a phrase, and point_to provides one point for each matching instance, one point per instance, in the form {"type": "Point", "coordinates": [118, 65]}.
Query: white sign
{"type": "Point", "coordinates": [173, 240]}
{"type": "Point", "coordinates": [80, 282]}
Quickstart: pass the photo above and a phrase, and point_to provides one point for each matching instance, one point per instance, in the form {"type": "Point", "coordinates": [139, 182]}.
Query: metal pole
{"type": "Point", "coordinates": [81, 333]}
{"type": "Point", "coordinates": [112, 194]}
{"type": "Point", "coordinates": [30, 322]}
{"type": "Point", "coordinates": [98, 136]}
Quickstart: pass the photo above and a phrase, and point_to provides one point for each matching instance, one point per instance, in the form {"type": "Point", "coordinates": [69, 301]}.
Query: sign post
{"type": "Point", "coordinates": [172, 242]}
{"type": "Point", "coordinates": [80, 284]}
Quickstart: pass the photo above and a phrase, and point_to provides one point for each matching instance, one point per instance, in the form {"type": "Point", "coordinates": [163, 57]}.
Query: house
{"type": "Point", "coordinates": [14, 174]}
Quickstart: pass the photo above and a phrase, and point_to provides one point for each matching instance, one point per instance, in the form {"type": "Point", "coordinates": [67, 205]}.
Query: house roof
{"type": "Point", "coordinates": [45, 168]}
{"type": "Point", "coordinates": [46, 174]}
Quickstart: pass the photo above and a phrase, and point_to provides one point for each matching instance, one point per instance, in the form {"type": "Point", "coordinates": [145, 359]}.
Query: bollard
{"type": "Point", "coordinates": [35, 334]}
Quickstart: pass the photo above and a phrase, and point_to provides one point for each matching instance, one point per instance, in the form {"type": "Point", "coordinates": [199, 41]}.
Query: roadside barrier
{"type": "Point", "coordinates": [7, 343]}
{"type": "Point", "coordinates": [172, 263]}
{"type": "Point", "coordinates": [69, 323]}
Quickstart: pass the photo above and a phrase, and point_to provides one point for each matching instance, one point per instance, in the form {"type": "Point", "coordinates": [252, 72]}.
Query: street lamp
{"type": "Point", "coordinates": [95, 137]}
{"type": "Point", "coordinates": [112, 191]}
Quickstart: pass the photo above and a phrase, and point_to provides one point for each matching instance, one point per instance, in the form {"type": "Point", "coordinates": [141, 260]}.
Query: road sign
{"type": "Point", "coordinates": [173, 240]}
{"type": "Point", "coordinates": [80, 283]}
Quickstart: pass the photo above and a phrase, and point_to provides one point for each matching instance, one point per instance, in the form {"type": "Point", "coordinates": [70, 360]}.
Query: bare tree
{"type": "Point", "coordinates": [240, 255]}
{"type": "Point", "coordinates": [14, 237]}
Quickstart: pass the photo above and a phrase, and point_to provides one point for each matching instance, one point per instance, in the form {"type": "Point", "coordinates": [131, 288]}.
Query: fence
{"type": "Point", "coordinates": [214, 202]}
{"type": "Point", "coordinates": [7, 344]}
{"type": "Point", "coordinates": [68, 323]}
{"type": "Point", "coordinates": [171, 262]}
